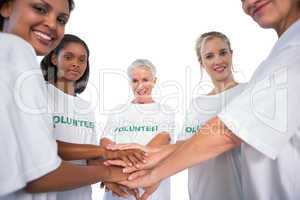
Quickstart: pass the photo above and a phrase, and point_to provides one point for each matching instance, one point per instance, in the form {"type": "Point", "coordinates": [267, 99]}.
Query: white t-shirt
{"type": "Point", "coordinates": [266, 117]}
{"type": "Point", "coordinates": [27, 148]}
{"type": "Point", "coordinates": [74, 122]}
{"type": "Point", "coordinates": [218, 178]}
{"type": "Point", "coordinates": [140, 123]}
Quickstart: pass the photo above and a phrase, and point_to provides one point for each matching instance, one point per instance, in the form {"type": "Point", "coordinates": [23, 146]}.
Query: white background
{"type": "Point", "coordinates": [163, 31]}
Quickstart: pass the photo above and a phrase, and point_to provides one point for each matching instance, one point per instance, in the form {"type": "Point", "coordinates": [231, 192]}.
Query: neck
{"type": "Point", "coordinates": [67, 87]}
{"type": "Point", "coordinates": [221, 86]}
{"type": "Point", "coordinates": [284, 25]}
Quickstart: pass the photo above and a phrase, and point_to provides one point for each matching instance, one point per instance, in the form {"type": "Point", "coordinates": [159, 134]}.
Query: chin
{"type": "Point", "coordinates": [41, 51]}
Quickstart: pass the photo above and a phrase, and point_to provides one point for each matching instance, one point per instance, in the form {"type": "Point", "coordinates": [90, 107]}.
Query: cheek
{"type": "Point", "coordinates": [60, 34]}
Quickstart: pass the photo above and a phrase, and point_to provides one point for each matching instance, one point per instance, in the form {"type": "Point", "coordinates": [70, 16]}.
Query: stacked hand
{"type": "Point", "coordinates": [130, 157]}
{"type": "Point", "coordinates": [120, 190]}
{"type": "Point", "coordinates": [137, 161]}
{"type": "Point", "coordinates": [141, 173]}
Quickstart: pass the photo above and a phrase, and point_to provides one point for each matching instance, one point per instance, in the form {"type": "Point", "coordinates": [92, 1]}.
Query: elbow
{"type": "Point", "coordinates": [32, 187]}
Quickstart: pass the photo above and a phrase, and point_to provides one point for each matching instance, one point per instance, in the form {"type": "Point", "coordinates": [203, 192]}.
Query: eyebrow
{"type": "Point", "coordinates": [49, 6]}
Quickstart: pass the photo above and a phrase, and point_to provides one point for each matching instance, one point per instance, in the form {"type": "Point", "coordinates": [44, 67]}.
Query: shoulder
{"type": "Point", "coordinates": [16, 53]}
{"type": "Point", "coordinates": [13, 42]}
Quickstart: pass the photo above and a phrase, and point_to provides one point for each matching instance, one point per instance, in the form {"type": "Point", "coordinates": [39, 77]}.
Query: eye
{"type": "Point", "coordinates": [62, 20]}
{"type": "Point", "coordinates": [145, 80]}
{"type": "Point", "coordinates": [40, 9]}
{"type": "Point", "coordinates": [223, 53]}
{"type": "Point", "coordinates": [134, 80]}
{"type": "Point", "coordinates": [82, 59]}
{"type": "Point", "coordinates": [68, 57]}
{"type": "Point", "coordinates": [209, 56]}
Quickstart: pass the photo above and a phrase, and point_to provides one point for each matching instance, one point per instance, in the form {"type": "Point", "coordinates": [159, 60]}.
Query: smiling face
{"type": "Point", "coordinates": [142, 82]}
{"type": "Point", "coordinates": [71, 62]}
{"type": "Point", "coordinates": [216, 59]}
{"type": "Point", "coordinates": [39, 22]}
{"type": "Point", "coordinates": [276, 14]}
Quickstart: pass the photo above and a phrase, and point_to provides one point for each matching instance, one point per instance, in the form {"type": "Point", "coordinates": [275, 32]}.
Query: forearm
{"type": "Point", "coordinates": [160, 139]}
{"type": "Point", "coordinates": [70, 151]}
{"type": "Point", "coordinates": [69, 176]}
{"type": "Point", "coordinates": [201, 147]}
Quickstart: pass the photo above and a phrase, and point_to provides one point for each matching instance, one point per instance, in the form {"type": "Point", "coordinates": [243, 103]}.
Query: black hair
{"type": "Point", "coordinates": [50, 70]}
{"type": "Point", "coordinates": [2, 2]}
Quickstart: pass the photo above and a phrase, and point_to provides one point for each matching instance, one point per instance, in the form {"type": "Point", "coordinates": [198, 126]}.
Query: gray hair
{"type": "Point", "coordinates": [141, 64]}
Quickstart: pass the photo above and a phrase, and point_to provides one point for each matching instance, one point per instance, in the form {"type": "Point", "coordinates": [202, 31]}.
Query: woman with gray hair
{"type": "Point", "coordinates": [141, 121]}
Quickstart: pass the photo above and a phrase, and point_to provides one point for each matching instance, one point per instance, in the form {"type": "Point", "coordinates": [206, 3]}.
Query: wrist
{"type": "Point", "coordinates": [101, 151]}
{"type": "Point", "coordinates": [154, 175]}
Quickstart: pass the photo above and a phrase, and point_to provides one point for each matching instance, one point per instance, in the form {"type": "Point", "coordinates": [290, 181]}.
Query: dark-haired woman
{"type": "Point", "coordinates": [28, 152]}
{"type": "Point", "coordinates": [66, 70]}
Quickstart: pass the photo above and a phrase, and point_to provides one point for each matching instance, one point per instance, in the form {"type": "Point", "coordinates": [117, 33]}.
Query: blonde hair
{"type": "Point", "coordinates": [208, 36]}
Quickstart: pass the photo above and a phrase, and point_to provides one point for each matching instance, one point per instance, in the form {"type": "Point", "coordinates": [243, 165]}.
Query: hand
{"type": "Point", "coordinates": [148, 191]}
{"type": "Point", "coordinates": [154, 156]}
{"type": "Point", "coordinates": [119, 190]}
{"type": "Point", "coordinates": [114, 174]}
{"type": "Point", "coordinates": [129, 156]}
{"type": "Point", "coordinates": [131, 146]}
{"type": "Point", "coordinates": [143, 178]}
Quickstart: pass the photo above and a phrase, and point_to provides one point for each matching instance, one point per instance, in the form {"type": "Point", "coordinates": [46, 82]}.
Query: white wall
{"type": "Point", "coordinates": [163, 31]}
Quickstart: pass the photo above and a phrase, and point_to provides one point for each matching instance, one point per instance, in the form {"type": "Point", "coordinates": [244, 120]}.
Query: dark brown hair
{"type": "Point", "coordinates": [50, 70]}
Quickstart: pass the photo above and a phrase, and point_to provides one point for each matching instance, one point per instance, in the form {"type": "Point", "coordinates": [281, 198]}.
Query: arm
{"type": "Point", "coordinates": [70, 151]}
{"type": "Point", "coordinates": [69, 176]}
{"type": "Point", "coordinates": [162, 138]}
{"type": "Point", "coordinates": [210, 141]}
{"type": "Point", "coordinates": [115, 188]}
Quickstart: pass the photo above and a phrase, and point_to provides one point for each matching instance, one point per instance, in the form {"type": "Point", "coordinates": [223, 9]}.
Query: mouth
{"type": "Point", "coordinates": [258, 8]}
{"type": "Point", "coordinates": [219, 69]}
{"type": "Point", "coordinates": [44, 38]}
{"type": "Point", "coordinates": [141, 92]}
{"type": "Point", "coordinates": [76, 73]}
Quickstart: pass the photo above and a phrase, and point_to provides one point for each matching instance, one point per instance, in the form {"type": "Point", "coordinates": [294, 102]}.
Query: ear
{"type": "Point", "coordinates": [6, 9]}
{"type": "Point", "coordinates": [154, 80]}
{"type": "Point", "coordinates": [54, 59]}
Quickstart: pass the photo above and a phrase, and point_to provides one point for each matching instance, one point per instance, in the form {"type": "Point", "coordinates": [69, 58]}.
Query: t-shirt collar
{"type": "Point", "coordinates": [290, 37]}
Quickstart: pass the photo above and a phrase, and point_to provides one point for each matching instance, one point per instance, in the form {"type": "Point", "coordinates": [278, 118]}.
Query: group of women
{"type": "Point", "coordinates": [240, 141]}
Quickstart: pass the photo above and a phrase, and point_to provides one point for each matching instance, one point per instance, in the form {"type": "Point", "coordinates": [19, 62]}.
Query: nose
{"type": "Point", "coordinates": [76, 64]}
{"type": "Point", "coordinates": [249, 5]}
{"type": "Point", "coordinates": [218, 60]}
{"type": "Point", "coordinates": [50, 21]}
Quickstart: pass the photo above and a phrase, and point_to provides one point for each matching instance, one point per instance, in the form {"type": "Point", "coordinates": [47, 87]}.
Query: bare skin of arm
{"type": "Point", "coordinates": [70, 151]}
{"type": "Point", "coordinates": [115, 188]}
{"type": "Point", "coordinates": [158, 140]}
{"type": "Point", "coordinates": [69, 176]}
{"type": "Point", "coordinates": [210, 141]}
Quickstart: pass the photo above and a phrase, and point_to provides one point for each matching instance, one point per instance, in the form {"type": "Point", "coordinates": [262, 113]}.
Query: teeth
{"type": "Point", "coordinates": [42, 35]}
{"type": "Point", "coordinates": [219, 69]}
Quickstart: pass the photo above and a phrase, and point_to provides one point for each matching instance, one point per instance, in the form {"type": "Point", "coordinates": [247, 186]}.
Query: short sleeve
{"type": "Point", "coordinates": [265, 115]}
{"type": "Point", "coordinates": [27, 149]}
